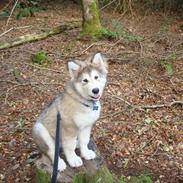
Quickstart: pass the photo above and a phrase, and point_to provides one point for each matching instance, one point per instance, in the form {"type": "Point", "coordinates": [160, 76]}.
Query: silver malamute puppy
{"type": "Point", "coordinates": [79, 107]}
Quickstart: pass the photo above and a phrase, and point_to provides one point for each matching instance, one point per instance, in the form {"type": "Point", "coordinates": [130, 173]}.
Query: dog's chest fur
{"type": "Point", "coordinates": [87, 117]}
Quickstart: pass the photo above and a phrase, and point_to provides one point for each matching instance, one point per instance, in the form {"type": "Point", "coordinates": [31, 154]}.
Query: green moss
{"type": "Point", "coordinates": [92, 27]}
{"type": "Point", "coordinates": [168, 67]}
{"type": "Point", "coordinates": [42, 176]}
{"type": "Point", "coordinates": [136, 179]}
{"type": "Point", "coordinates": [102, 175]}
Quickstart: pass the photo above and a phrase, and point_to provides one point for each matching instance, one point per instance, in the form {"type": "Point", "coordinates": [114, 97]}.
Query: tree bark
{"type": "Point", "coordinates": [91, 19]}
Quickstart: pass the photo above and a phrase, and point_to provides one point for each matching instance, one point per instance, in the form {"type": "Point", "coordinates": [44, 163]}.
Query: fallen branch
{"type": "Point", "coordinates": [11, 14]}
{"type": "Point", "coordinates": [148, 106]}
{"type": "Point", "coordinates": [39, 36]}
{"type": "Point", "coordinates": [161, 105]}
{"type": "Point", "coordinates": [88, 48]}
{"type": "Point", "coordinates": [6, 6]}
{"type": "Point", "coordinates": [43, 68]}
{"type": "Point", "coordinates": [14, 28]}
{"type": "Point", "coordinates": [17, 84]}
{"type": "Point", "coordinates": [140, 107]}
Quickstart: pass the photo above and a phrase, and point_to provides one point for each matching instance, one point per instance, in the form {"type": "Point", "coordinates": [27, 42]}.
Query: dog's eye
{"type": "Point", "coordinates": [85, 80]}
{"type": "Point", "coordinates": [96, 77]}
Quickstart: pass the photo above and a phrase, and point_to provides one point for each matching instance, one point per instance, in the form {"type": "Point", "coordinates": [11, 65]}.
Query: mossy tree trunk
{"type": "Point", "coordinates": [91, 19]}
{"type": "Point", "coordinates": [92, 171]}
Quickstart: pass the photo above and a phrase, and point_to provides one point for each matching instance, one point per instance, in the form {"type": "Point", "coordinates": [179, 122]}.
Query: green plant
{"type": "Point", "coordinates": [109, 34]}
{"type": "Point", "coordinates": [168, 67]}
{"type": "Point", "coordinates": [119, 32]}
{"type": "Point", "coordinates": [102, 175]}
{"type": "Point", "coordinates": [4, 13]}
{"type": "Point", "coordinates": [136, 179]}
{"type": "Point", "coordinates": [27, 8]}
{"type": "Point", "coordinates": [40, 58]}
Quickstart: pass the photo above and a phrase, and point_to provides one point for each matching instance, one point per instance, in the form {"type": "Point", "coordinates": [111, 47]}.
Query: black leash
{"type": "Point", "coordinates": [57, 149]}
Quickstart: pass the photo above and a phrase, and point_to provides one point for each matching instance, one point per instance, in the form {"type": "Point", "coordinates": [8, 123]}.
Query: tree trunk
{"type": "Point", "coordinates": [92, 171]}
{"type": "Point", "coordinates": [91, 18]}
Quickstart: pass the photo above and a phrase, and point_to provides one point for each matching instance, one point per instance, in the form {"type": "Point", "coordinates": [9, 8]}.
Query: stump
{"type": "Point", "coordinates": [92, 171]}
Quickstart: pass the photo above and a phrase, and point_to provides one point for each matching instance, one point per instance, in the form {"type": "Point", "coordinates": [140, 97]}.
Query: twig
{"type": "Point", "coordinates": [161, 105]}
{"type": "Point", "coordinates": [118, 41]}
{"type": "Point", "coordinates": [111, 114]}
{"type": "Point", "coordinates": [140, 148]}
{"type": "Point", "coordinates": [9, 81]}
{"type": "Point", "coordinates": [43, 68]}
{"type": "Point", "coordinates": [140, 107]}
{"type": "Point", "coordinates": [107, 5]}
{"type": "Point", "coordinates": [12, 88]}
{"type": "Point", "coordinates": [141, 48]}
{"type": "Point", "coordinates": [14, 28]}
{"type": "Point", "coordinates": [148, 106]}
{"type": "Point", "coordinates": [119, 98]}
{"type": "Point", "coordinates": [5, 32]}
{"type": "Point", "coordinates": [87, 48]}
{"type": "Point", "coordinates": [16, 84]}
{"type": "Point", "coordinates": [6, 6]}
{"type": "Point", "coordinates": [11, 14]}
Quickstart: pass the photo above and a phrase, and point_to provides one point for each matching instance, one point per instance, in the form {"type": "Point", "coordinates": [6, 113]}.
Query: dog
{"type": "Point", "coordinates": [79, 107]}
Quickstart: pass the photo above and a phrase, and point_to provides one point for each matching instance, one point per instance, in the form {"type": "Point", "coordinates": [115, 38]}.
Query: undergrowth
{"type": "Point", "coordinates": [24, 8]}
{"type": "Point", "coordinates": [120, 32]}
{"type": "Point", "coordinates": [125, 6]}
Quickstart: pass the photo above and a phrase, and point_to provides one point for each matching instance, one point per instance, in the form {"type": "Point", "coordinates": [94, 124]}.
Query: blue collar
{"type": "Point", "coordinates": [95, 106]}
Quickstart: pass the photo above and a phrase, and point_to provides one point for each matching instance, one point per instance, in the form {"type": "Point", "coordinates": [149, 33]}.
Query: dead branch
{"type": "Point", "coordinates": [43, 68]}
{"type": "Point", "coordinates": [121, 99]}
{"type": "Point", "coordinates": [11, 14]}
{"type": "Point", "coordinates": [155, 106]}
{"type": "Point", "coordinates": [111, 114]}
{"type": "Point", "coordinates": [161, 105]}
{"type": "Point", "coordinates": [38, 36]}
{"type": "Point", "coordinates": [14, 28]}
{"type": "Point", "coordinates": [88, 48]}
{"type": "Point", "coordinates": [6, 6]}
{"type": "Point", "coordinates": [5, 32]}
{"type": "Point", "coordinates": [140, 107]}
{"type": "Point", "coordinates": [9, 81]}
{"type": "Point", "coordinates": [107, 5]}
{"type": "Point", "coordinates": [17, 84]}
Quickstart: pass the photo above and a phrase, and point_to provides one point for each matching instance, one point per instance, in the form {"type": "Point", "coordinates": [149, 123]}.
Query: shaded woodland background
{"type": "Point", "coordinates": [140, 131]}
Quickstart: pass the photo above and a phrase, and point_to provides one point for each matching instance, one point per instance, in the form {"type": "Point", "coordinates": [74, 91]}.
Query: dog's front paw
{"type": "Point", "coordinates": [88, 154]}
{"type": "Point", "coordinates": [61, 165]}
{"type": "Point", "coordinates": [75, 161]}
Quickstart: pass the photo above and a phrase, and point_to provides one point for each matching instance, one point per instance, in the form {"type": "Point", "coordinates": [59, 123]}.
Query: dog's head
{"type": "Point", "coordinates": [89, 77]}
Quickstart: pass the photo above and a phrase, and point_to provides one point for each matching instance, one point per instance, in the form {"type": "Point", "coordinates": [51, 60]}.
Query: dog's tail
{"type": "Point", "coordinates": [57, 149]}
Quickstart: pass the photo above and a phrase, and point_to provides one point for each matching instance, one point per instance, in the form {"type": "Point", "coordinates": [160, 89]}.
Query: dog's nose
{"type": "Point", "coordinates": [95, 90]}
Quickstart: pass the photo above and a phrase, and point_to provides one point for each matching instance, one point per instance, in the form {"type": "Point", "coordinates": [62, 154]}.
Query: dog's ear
{"type": "Point", "coordinates": [100, 62]}
{"type": "Point", "coordinates": [73, 68]}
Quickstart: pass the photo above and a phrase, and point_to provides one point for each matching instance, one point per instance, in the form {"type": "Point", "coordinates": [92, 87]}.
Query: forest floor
{"type": "Point", "coordinates": [136, 134]}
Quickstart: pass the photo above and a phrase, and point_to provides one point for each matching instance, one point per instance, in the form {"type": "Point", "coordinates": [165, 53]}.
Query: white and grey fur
{"type": "Point", "coordinates": [75, 105]}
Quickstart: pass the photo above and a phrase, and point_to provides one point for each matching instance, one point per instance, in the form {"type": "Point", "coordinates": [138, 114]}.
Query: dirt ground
{"type": "Point", "coordinates": [136, 134]}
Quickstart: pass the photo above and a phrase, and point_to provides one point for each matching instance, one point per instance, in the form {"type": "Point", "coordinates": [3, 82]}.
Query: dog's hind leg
{"type": "Point", "coordinates": [46, 143]}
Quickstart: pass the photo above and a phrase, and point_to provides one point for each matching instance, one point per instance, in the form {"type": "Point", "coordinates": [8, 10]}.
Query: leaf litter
{"type": "Point", "coordinates": [132, 141]}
